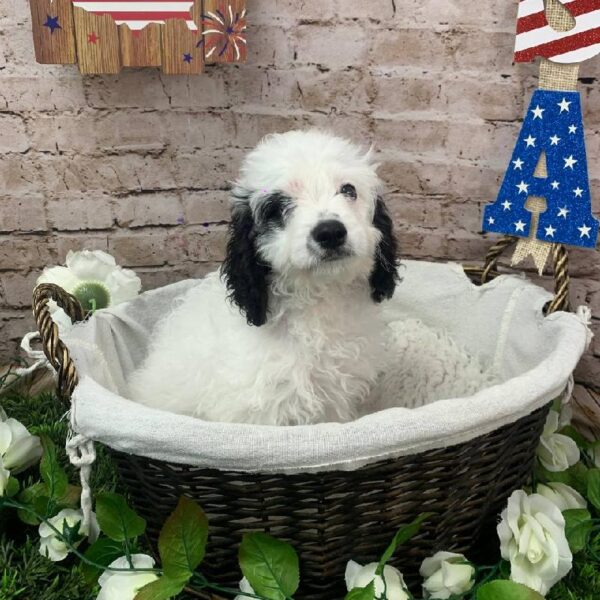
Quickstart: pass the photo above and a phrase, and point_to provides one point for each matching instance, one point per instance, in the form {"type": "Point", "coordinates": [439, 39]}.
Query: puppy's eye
{"type": "Point", "coordinates": [348, 190]}
{"type": "Point", "coordinates": [272, 211]}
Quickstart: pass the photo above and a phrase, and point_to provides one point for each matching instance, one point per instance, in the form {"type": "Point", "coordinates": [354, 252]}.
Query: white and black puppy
{"type": "Point", "coordinates": [290, 331]}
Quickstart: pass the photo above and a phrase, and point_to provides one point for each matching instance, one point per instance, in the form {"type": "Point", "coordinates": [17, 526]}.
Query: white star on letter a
{"type": "Point", "coordinates": [518, 164]}
{"type": "Point", "coordinates": [491, 220]}
{"type": "Point", "coordinates": [564, 105]}
{"type": "Point", "coordinates": [530, 141]}
{"type": "Point", "coordinates": [523, 187]}
{"type": "Point", "coordinates": [563, 212]}
{"type": "Point", "coordinates": [585, 231]}
{"type": "Point", "coordinates": [578, 192]}
{"type": "Point", "coordinates": [572, 128]}
{"type": "Point", "coordinates": [537, 112]}
{"type": "Point", "coordinates": [555, 185]}
{"type": "Point", "coordinates": [569, 162]}
{"type": "Point", "coordinates": [520, 226]}
{"type": "Point", "coordinates": [554, 140]}
{"type": "Point", "coordinates": [550, 231]}
{"type": "Point", "coordinates": [506, 204]}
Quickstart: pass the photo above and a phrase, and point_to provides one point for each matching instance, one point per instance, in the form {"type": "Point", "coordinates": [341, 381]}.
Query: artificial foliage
{"type": "Point", "coordinates": [268, 563]}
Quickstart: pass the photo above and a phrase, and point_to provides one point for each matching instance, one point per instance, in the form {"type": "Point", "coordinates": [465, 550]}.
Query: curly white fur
{"type": "Point", "coordinates": [317, 356]}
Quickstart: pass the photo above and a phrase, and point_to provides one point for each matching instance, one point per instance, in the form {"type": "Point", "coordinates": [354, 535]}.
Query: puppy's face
{"type": "Point", "coordinates": [312, 199]}
{"type": "Point", "coordinates": [307, 203]}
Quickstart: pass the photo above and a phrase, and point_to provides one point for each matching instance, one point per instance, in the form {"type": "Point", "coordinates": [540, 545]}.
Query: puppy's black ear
{"type": "Point", "coordinates": [244, 273]}
{"type": "Point", "coordinates": [384, 275]}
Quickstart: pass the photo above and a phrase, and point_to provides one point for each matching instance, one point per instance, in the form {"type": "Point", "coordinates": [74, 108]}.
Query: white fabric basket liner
{"type": "Point", "coordinates": [501, 323]}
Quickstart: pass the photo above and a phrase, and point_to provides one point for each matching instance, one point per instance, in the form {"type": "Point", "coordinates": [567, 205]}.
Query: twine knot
{"type": "Point", "coordinates": [82, 454]}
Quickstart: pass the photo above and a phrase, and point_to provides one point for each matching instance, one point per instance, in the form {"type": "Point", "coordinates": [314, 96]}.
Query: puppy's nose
{"type": "Point", "coordinates": [330, 234]}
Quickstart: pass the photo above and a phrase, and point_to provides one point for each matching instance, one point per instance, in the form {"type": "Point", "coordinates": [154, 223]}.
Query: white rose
{"type": "Point", "coordinates": [358, 576]}
{"type": "Point", "coordinates": [556, 452]}
{"type": "Point", "coordinates": [246, 588]}
{"type": "Point", "coordinates": [18, 448]}
{"type": "Point", "coordinates": [532, 538]}
{"type": "Point", "coordinates": [447, 574]}
{"type": "Point", "coordinates": [124, 585]}
{"type": "Point", "coordinates": [4, 477]}
{"type": "Point", "coordinates": [561, 495]}
{"type": "Point", "coordinates": [54, 548]}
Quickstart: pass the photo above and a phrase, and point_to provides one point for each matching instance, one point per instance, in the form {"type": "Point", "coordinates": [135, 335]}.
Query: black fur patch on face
{"type": "Point", "coordinates": [245, 274]}
{"type": "Point", "coordinates": [384, 275]}
{"type": "Point", "coordinates": [272, 210]}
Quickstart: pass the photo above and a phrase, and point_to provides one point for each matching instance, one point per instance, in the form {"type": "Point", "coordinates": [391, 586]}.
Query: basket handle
{"type": "Point", "coordinates": [54, 349]}
{"type": "Point", "coordinates": [560, 262]}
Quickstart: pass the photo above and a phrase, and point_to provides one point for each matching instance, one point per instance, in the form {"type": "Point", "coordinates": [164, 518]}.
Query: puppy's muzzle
{"type": "Point", "coordinates": [330, 234]}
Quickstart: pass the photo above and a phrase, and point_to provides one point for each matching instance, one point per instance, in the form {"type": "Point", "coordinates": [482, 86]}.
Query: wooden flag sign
{"type": "Point", "coordinates": [103, 36]}
{"type": "Point", "coordinates": [545, 197]}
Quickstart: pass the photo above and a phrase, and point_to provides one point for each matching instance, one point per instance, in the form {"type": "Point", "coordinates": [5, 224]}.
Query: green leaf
{"type": "Point", "coordinates": [161, 589]}
{"type": "Point", "coordinates": [576, 476]}
{"type": "Point", "coordinates": [29, 496]}
{"type": "Point", "coordinates": [12, 487]}
{"type": "Point", "coordinates": [182, 540]}
{"type": "Point", "coordinates": [364, 593]}
{"type": "Point", "coordinates": [402, 536]}
{"type": "Point", "coordinates": [271, 566]}
{"type": "Point", "coordinates": [103, 551]}
{"type": "Point", "coordinates": [593, 487]}
{"type": "Point", "coordinates": [116, 519]}
{"type": "Point", "coordinates": [506, 590]}
{"type": "Point", "coordinates": [52, 473]}
{"type": "Point", "coordinates": [578, 525]}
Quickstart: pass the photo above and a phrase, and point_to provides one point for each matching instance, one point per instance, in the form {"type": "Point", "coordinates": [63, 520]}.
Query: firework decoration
{"type": "Point", "coordinates": [223, 33]}
{"type": "Point", "coordinates": [545, 196]}
{"type": "Point", "coordinates": [179, 36]}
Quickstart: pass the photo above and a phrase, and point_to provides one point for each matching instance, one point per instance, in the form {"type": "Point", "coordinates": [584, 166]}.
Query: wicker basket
{"type": "Point", "coordinates": [335, 516]}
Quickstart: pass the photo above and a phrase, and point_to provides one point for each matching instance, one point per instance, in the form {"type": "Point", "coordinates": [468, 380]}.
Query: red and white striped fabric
{"type": "Point", "coordinates": [138, 13]}
{"type": "Point", "coordinates": [536, 38]}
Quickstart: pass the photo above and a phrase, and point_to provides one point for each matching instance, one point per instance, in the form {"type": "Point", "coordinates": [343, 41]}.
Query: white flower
{"type": "Point", "coordinates": [4, 477]}
{"type": "Point", "coordinates": [54, 548]}
{"type": "Point", "coordinates": [94, 278]}
{"type": "Point", "coordinates": [246, 588]}
{"type": "Point", "coordinates": [556, 452]}
{"type": "Point", "coordinates": [358, 576]}
{"type": "Point", "coordinates": [447, 574]}
{"type": "Point", "coordinates": [532, 538]}
{"type": "Point", "coordinates": [562, 495]}
{"type": "Point", "coordinates": [18, 448]}
{"type": "Point", "coordinates": [124, 585]}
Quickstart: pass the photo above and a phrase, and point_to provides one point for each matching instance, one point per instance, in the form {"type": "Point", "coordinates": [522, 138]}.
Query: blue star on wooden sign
{"type": "Point", "coordinates": [52, 23]}
{"type": "Point", "coordinates": [187, 57]}
{"type": "Point", "coordinates": [554, 126]}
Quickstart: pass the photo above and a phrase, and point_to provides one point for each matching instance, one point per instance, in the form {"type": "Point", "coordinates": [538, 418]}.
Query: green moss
{"type": "Point", "coordinates": [27, 575]}
{"type": "Point", "coordinates": [46, 414]}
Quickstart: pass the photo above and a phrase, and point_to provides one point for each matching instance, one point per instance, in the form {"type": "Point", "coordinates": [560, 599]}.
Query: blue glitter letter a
{"type": "Point", "coordinates": [553, 125]}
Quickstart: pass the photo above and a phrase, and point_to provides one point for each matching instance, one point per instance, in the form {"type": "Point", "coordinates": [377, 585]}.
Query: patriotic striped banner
{"type": "Point", "coordinates": [138, 13]}
{"type": "Point", "coordinates": [535, 37]}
